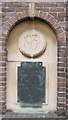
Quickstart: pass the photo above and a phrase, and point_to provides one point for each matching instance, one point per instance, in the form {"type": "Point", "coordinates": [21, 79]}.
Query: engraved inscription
{"type": "Point", "coordinates": [32, 43]}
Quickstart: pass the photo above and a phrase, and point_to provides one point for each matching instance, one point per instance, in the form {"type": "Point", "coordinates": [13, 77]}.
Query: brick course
{"type": "Point", "coordinates": [52, 13]}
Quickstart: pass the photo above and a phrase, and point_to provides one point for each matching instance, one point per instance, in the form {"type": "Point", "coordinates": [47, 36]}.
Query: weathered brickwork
{"type": "Point", "coordinates": [67, 54]}
{"type": "Point", "coordinates": [55, 15]}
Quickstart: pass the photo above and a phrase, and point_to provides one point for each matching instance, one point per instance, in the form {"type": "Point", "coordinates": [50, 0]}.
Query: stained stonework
{"type": "Point", "coordinates": [55, 15]}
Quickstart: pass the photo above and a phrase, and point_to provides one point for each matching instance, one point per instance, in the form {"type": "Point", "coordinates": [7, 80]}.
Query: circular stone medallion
{"type": "Point", "coordinates": [32, 43]}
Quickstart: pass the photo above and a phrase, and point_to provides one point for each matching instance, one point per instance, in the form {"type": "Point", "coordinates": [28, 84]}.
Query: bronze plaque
{"type": "Point", "coordinates": [31, 84]}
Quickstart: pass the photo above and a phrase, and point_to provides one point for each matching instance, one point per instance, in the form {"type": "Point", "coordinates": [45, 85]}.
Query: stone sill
{"type": "Point", "coordinates": [32, 115]}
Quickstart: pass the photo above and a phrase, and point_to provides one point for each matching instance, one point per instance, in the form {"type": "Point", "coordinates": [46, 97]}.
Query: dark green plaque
{"type": "Point", "coordinates": [31, 84]}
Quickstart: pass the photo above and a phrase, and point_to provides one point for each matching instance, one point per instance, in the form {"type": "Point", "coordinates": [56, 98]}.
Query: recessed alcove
{"type": "Point", "coordinates": [43, 50]}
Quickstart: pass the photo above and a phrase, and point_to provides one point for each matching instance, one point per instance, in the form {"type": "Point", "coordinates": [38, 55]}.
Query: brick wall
{"type": "Point", "coordinates": [55, 15]}
{"type": "Point", "coordinates": [67, 53]}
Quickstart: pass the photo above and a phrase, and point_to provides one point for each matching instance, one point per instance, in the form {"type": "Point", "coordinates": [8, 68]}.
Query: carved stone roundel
{"type": "Point", "coordinates": [32, 43]}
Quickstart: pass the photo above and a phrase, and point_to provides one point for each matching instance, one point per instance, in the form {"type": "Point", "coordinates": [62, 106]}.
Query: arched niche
{"type": "Point", "coordinates": [48, 58]}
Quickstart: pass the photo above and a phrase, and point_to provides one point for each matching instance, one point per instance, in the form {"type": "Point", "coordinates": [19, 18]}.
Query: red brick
{"type": "Point", "coordinates": [3, 43]}
{"type": "Point", "coordinates": [2, 78]}
{"type": "Point", "coordinates": [3, 84]}
{"type": "Point", "coordinates": [19, 4]}
{"type": "Point", "coordinates": [67, 84]}
{"type": "Point", "coordinates": [62, 59]}
{"type": "Point", "coordinates": [1, 39]}
{"type": "Point", "coordinates": [61, 64]}
{"type": "Point", "coordinates": [20, 9]}
{"type": "Point", "coordinates": [3, 93]}
{"type": "Point", "coordinates": [3, 53]}
{"type": "Point", "coordinates": [61, 49]}
{"type": "Point", "coordinates": [2, 69]}
{"type": "Point", "coordinates": [2, 14]}
{"type": "Point", "coordinates": [60, 19]}
{"type": "Point", "coordinates": [3, 74]}
{"type": "Point", "coordinates": [2, 109]}
{"type": "Point", "coordinates": [61, 74]}
{"type": "Point", "coordinates": [2, 88]}
{"type": "Point", "coordinates": [61, 89]}
{"type": "Point", "coordinates": [43, 9]}
{"type": "Point", "coordinates": [61, 84]}
{"type": "Point", "coordinates": [2, 103]}
{"type": "Point", "coordinates": [61, 39]}
{"type": "Point", "coordinates": [3, 64]}
{"type": "Point", "coordinates": [56, 9]}
{"type": "Point", "coordinates": [61, 105]}
{"type": "Point", "coordinates": [66, 96]}
{"type": "Point", "coordinates": [62, 14]}
{"type": "Point", "coordinates": [3, 58]}
{"type": "Point", "coordinates": [60, 69]}
{"type": "Point", "coordinates": [61, 95]}
{"type": "Point", "coordinates": [60, 79]}
{"type": "Point", "coordinates": [4, 35]}
{"type": "Point", "coordinates": [62, 43]}
{"type": "Point", "coordinates": [62, 54]}
{"type": "Point", "coordinates": [67, 107]}
{"type": "Point", "coordinates": [66, 69]}
{"type": "Point", "coordinates": [9, 9]}
{"type": "Point", "coordinates": [61, 100]}
{"type": "Point", "coordinates": [54, 14]}
{"type": "Point", "coordinates": [66, 101]}
{"type": "Point", "coordinates": [2, 98]}
{"type": "Point", "coordinates": [46, 4]}
{"type": "Point", "coordinates": [61, 4]}
{"type": "Point", "coordinates": [66, 33]}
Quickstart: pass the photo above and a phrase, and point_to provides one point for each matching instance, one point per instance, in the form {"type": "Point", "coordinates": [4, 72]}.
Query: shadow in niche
{"type": "Point", "coordinates": [31, 84]}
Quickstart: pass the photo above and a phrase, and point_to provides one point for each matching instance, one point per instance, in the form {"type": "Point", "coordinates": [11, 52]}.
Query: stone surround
{"type": "Point", "coordinates": [32, 115]}
{"type": "Point", "coordinates": [55, 15]}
